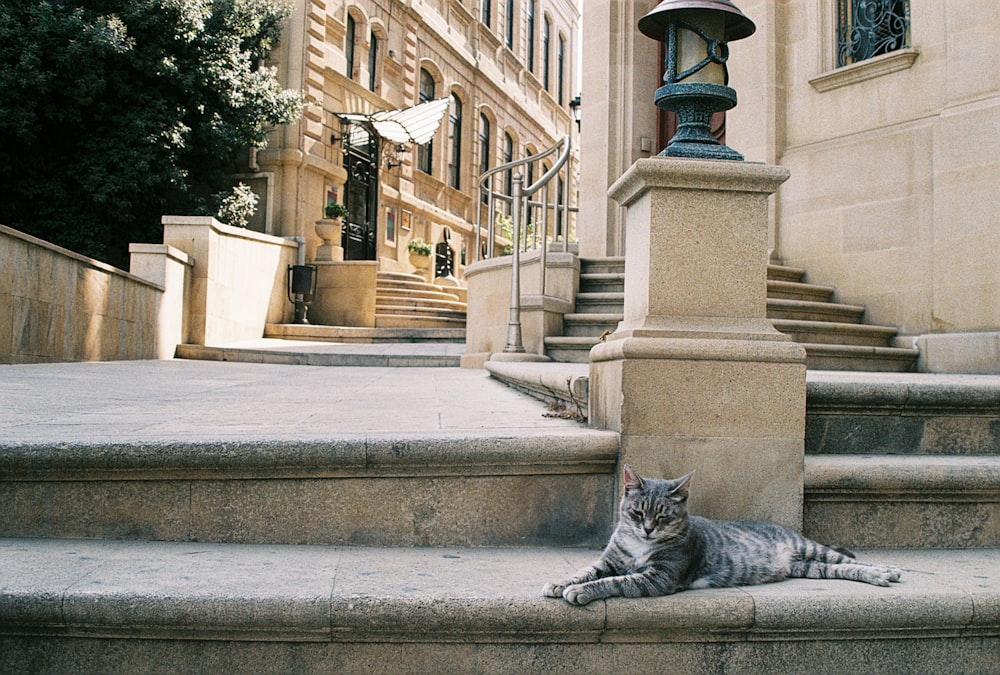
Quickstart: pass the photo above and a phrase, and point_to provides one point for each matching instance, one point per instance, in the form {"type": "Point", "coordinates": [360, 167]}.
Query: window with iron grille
{"type": "Point", "coordinates": [868, 28]}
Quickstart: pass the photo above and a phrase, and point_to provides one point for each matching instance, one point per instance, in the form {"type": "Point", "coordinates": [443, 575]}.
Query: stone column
{"type": "Point", "coordinates": [696, 377]}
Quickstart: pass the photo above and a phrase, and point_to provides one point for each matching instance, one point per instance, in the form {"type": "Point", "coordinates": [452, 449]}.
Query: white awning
{"type": "Point", "coordinates": [416, 124]}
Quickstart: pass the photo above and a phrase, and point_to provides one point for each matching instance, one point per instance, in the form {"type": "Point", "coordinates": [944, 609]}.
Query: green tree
{"type": "Point", "coordinates": [114, 112]}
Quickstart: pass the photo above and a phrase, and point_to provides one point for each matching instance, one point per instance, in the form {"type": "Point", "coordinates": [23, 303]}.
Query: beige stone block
{"type": "Point", "coordinates": [100, 510]}
{"type": "Point", "coordinates": [345, 294]}
{"type": "Point", "coordinates": [713, 398]}
{"type": "Point", "coordinates": [735, 478]}
{"type": "Point", "coordinates": [6, 327]}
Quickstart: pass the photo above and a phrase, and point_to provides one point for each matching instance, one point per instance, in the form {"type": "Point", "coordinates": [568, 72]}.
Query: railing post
{"type": "Point", "coordinates": [514, 343]}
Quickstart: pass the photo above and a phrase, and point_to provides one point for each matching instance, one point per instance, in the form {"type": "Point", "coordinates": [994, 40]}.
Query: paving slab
{"type": "Point", "coordinates": [177, 401]}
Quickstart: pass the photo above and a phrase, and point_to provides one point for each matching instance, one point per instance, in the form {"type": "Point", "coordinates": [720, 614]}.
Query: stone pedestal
{"type": "Point", "coordinates": [696, 377]}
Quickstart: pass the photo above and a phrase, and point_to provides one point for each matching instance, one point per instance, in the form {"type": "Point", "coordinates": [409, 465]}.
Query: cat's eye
{"type": "Point", "coordinates": [635, 513]}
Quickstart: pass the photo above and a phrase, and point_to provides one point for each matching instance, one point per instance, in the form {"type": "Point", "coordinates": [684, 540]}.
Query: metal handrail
{"type": "Point", "coordinates": [519, 200]}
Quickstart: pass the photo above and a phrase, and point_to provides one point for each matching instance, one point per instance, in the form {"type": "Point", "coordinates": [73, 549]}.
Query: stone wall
{"type": "Point", "coordinates": [56, 305]}
{"type": "Point", "coordinates": [238, 280]}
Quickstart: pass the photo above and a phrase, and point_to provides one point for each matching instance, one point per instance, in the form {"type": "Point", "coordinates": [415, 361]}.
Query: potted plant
{"type": "Point", "coordinates": [329, 229]}
{"type": "Point", "coordinates": [420, 253]}
{"type": "Point", "coordinates": [335, 211]}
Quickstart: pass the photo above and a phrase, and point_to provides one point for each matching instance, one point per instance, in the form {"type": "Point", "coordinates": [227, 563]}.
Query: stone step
{"type": "Point", "coordinates": [599, 303]}
{"type": "Point", "coordinates": [804, 310]}
{"type": "Point", "coordinates": [576, 349]}
{"type": "Point", "coordinates": [590, 325]}
{"type": "Point", "coordinates": [602, 282]}
{"type": "Point", "coordinates": [907, 414]}
{"type": "Point", "coordinates": [441, 301]}
{"type": "Point", "coordinates": [406, 292]}
{"type": "Point", "coordinates": [484, 488]}
{"type": "Point", "coordinates": [363, 335]}
{"type": "Point", "coordinates": [787, 290]}
{"type": "Point", "coordinates": [114, 606]}
{"type": "Point", "coordinates": [830, 333]}
{"type": "Point", "coordinates": [859, 358]}
{"type": "Point", "coordinates": [611, 264]}
{"type": "Point", "coordinates": [569, 349]}
{"type": "Point", "coordinates": [915, 501]}
{"type": "Point", "coordinates": [776, 272]}
{"type": "Point", "coordinates": [406, 319]}
{"type": "Point", "coordinates": [301, 353]}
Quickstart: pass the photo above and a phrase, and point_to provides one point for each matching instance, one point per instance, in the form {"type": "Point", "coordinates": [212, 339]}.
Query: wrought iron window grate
{"type": "Point", "coordinates": [867, 28]}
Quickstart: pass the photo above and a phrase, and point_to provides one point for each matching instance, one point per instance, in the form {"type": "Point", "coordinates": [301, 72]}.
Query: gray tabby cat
{"type": "Point", "coordinates": [658, 549]}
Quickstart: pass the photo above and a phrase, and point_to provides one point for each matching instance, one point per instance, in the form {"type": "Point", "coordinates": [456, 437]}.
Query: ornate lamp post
{"type": "Point", "coordinates": [697, 33]}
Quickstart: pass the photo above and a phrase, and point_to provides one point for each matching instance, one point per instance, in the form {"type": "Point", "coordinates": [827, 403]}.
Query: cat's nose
{"type": "Point", "coordinates": [648, 528]}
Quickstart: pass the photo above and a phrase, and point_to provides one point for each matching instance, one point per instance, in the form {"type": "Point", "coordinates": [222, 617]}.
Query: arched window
{"type": "Point", "coordinates": [484, 149]}
{"type": "Point", "coordinates": [373, 62]}
{"type": "Point", "coordinates": [530, 9]}
{"type": "Point", "coordinates": [349, 46]}
{"type": "Point", "coordinates": [546, 36]}
{"type": "Point", "coordinates": [455, 138]}
{"type": "Point", "coordinates": [425, 152]}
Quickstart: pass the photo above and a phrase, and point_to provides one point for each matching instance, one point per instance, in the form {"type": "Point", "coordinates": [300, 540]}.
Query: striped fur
{"type": "Point", "coordinates": [658, 549]}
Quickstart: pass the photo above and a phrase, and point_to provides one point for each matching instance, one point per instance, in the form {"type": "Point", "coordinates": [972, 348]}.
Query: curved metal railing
{"type": "Point", "coordinates": [525, 234]}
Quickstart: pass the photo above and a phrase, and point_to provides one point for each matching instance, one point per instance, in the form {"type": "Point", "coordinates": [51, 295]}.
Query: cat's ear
{"type": "Point", "coordinates": [632, 479]}
{"type": "Point", "coordinates": [680, 493]}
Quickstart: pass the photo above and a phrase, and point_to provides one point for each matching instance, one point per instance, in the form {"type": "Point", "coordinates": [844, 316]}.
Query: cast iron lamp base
{"type": "Point", "coordinates": [695, 103]}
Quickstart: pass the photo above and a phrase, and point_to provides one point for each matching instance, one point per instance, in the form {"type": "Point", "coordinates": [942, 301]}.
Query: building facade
{"type": "Point", "coordinates": [887, 112]}
{"type": "Point", "coordinates": [503, 65]}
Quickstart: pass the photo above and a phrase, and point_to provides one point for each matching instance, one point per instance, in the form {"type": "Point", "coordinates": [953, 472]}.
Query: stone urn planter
{"type": "Point", "coordinates": [329, 229]}
{"type": "Point", "coordinates": [420, 254]}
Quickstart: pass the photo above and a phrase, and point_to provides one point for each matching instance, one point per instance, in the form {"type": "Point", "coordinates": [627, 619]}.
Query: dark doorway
{"type": "Point", "coordinates": [359, 237]}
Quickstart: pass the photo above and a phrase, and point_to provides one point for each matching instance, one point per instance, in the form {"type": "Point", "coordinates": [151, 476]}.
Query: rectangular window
{"type": "Point", "coordinates": [546, 35]}
{"type": "Point", "coordinates": [867, 28]}
{"type": "Point", "coordinates": [425, 152]}
{"type": "Point", "coordinates": [484, 151]}
{"type": "Point", "coordinates": [487, 13]}
{"type": "Point", "coordinates": [510, 24]}
{"type": "Point", "coordinates": [455, 134]}
{"type": "Point", "coordinates": [561, 68]}
{"type": "Point", "coordinates": [373, 63]}
{"type": "Point", "coordinates": [349, 46]}
{"type": "Point", "coordinates": [530, 7]}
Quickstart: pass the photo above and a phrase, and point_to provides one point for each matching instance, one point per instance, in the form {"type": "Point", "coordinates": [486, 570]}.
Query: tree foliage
{"type": "Point", "coordinates": [114, 112]}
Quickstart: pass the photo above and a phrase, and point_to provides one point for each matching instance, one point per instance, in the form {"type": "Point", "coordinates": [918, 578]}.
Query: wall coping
{"type": "Point", "coordinates": [228, 230]}
{"type": "Point", "coordinates": [162, 249]}
{"type": "Point", "coordinates": [90, 262]}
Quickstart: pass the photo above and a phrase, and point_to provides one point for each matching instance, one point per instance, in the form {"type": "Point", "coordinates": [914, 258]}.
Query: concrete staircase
{"type": "Point", "coordinates": [189, 516]}
{"type": "Point", "coordinates": [832, 333]}
{"type": "Point", "coordinates": [409, 301]}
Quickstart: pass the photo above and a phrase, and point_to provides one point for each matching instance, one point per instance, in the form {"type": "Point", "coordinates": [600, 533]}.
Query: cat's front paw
{"type": "Point", "coordinates": [553, 590]}
{"type": "Point", "coordinates": [577, 594]}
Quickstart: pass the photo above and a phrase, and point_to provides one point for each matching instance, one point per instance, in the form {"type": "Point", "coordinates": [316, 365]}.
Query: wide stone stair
{"type": "Point", "coordinates": [408, 301]}
{"type": "Point", "coordinates": [832, 333]}
{"type": "Point", "coordinates": [173, 520]}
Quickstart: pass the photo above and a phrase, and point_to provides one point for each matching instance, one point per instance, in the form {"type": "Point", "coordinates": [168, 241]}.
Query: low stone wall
{"type": "Point", "coordinates": [238, 282]}
{"type": "Point", "coordinates": [56, 305]}
{"type": "Point", "coordinates": [541, 314]}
